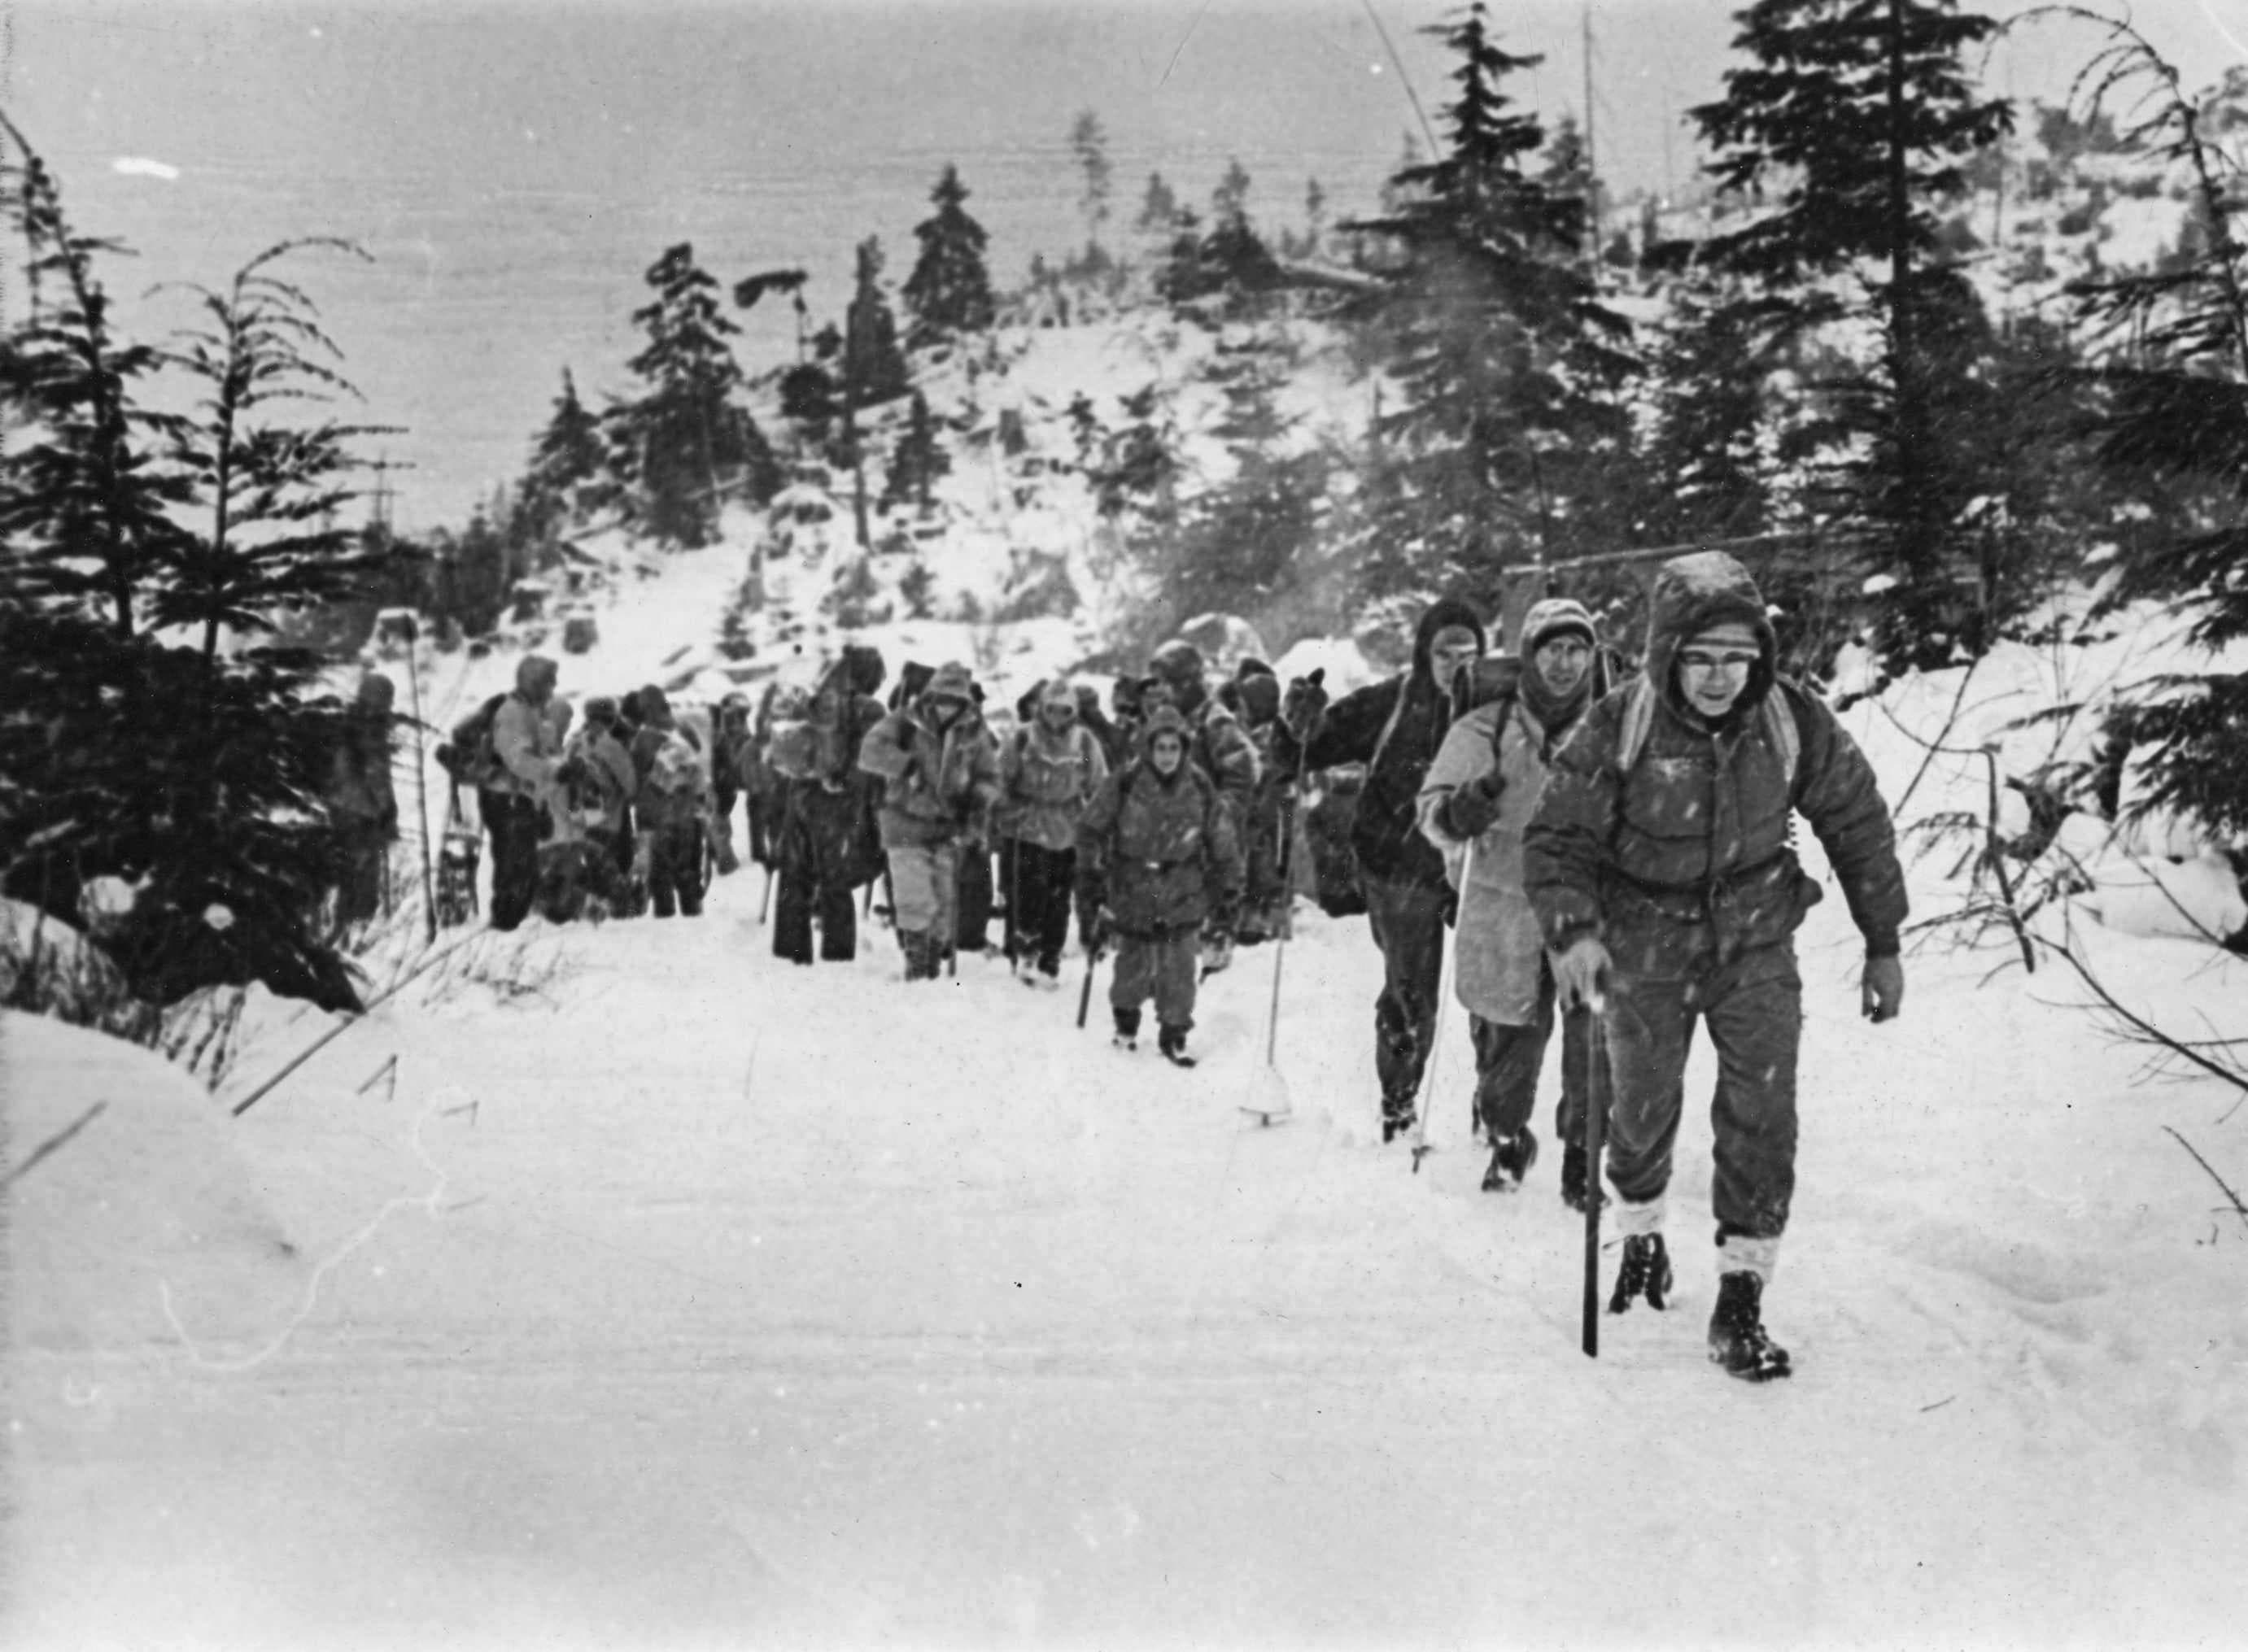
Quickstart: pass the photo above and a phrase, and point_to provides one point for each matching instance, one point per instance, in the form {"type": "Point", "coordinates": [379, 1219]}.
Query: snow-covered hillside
{"type": "Point", "coordinates": [664, 1294]}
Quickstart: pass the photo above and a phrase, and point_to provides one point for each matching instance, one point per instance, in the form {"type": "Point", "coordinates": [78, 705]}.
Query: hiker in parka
{"type": "Point", "coordinates": [1157, 861]}
{"type": "Point", "coordinates": [1480, 794]}
{"type": "Point", "coordinates": [1220, 748]}
{"type": "Point", "coordinates": [1049, 772]}
{"type": "Point", "coordinates": [823, 849]}
{"type": "Point", "coordinates": [363, 801]}
{"type": "Point", "coordinates": [1271, 821]}
{"type": "Point", "coordinates": [1395, 727]}
{"type": "Point", "coordinates": [941, 774]}
{"type": "Point", "coordinates": [672, 807]}
{"type": "Point", "coordinates": [729, 743]}
{"type": "Point", "coordinates": [597, 781]}
{"type": "Point", "coordinates": [1660, 868]}
{"type": "Point", "coordinates": [515, 799]}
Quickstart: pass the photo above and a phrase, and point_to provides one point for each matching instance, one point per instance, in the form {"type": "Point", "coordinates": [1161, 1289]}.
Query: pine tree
{"type": "Point", "coordinates": [1159, 209]}
{"type": "Point", "coordinates": [917, 461]}
{"type": "Point", "coordinates": [1508, 365]}
{"type": "Point", "coordinates": [195, 773]}
{"type": "Point", "coordinates": [2176, 422]}
{"type": "Point", "coordinates": [268, 489]}
{"type": "Point", "coordinates": [1859, 114]}
{"type": "Point", "coordinates": [686, 444]}
{"type": "Point", "coordinates": [1239, 542]}
{"type": "Point", "coordinates": [873, 368]}
{"type": "Point", "coordinates": [85, 495]}
{"type": "Point", "coordinates": [569, 466]}
{"type": "Point", "coordinates": [1229, 203]}
{"type": "Point", "coordinates": [1088, 143]}
{"type": "Point", "coordinates": [949, 291]}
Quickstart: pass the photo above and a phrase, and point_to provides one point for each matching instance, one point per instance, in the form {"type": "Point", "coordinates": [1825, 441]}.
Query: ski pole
{"type": "Point", "coordinates": [1084, 993]}
{"type": "Point", "coordinates": [1281, 941]}
{"type": "Point", "coordinates": [1596, 1110]}
{"type": "Point", "coordinates": [420, 788]}
{"type": "Point", "coordinates": [1421, 1148]}
{"type": "Point", "coordinates": [765, 905]}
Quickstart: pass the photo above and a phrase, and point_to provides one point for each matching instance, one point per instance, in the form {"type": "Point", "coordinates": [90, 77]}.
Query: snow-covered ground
{"type": "Point", "coordinates": [662, 1295]}
{"type": "Point", "coordinates": [701, 1300]}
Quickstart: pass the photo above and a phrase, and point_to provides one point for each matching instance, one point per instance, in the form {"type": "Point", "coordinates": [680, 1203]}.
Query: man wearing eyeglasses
{"type": "Point", "coordinates": [1660, 866]}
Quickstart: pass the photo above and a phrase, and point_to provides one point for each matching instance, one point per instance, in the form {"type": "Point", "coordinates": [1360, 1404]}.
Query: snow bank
{"type": "Point", "coordinates": [131, 1213]}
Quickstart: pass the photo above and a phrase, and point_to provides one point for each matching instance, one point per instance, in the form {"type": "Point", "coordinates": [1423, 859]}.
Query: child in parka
{"type": "Point", "coordinates": [1158, 860]}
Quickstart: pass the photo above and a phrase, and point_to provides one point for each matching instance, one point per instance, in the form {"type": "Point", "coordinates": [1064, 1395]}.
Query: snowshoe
{"type": "Point", "coordinates": [1510, 1159]}
{"type": "Point", "coordinates": [1737, 1340]}
{"type": "Point", "coordinates": [1646, 1272]}
{"type": "Point", "coordinates": [1173, 1042]}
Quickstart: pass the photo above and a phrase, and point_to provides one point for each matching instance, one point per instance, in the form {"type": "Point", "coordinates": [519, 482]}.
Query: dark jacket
{"type": "Point", "coordinates": [1385, 833]}
{"type": "Point", "coordinates": [1686, 857]}
{"type": "Point", "coordinates": [1160, 852]}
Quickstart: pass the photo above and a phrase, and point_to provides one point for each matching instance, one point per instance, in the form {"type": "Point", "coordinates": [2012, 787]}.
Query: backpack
{"type": "Point", "coordinates": [677, 767]}
{"type": "Point", "coordinates": [469, 755]}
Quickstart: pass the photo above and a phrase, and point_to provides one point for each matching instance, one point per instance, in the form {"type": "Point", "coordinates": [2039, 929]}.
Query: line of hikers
{"type": "Point", "coordinates": [1615, 849]}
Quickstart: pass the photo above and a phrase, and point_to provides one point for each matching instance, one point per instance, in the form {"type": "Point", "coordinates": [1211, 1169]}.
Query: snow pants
{"type": "Point", "coordinates": [515, 823]}
{"type": "Point", "coordinates": [814, 879]}
{"type": "Point", "coordinates": [925, 889]}
{"type": "Point", "coordinates": [1753, 1007]}
{"type": "Point", "coordinates": [1408, 920]}
{"type": "Point", "coordinates": [976, 899]}
{"type": "Point", "coordinates": [1162, 967]}
{"type": "Point", "coordinates": [1509, 1059]}
{"type": "Point", "coordinates": [1039, 881]}
{"type": "Point", "coordinates": [675, 871]}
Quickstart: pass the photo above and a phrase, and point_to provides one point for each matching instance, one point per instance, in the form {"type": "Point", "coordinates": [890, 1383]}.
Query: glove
{"type": "Point", "coordinates": [1300, 707]}
{"type": "Point", "coordinates": [1881, 994]}
{"type": "Point", "coordinates": [572, 771]}
{"type": "Point", "coordinates": [1092, 921]}
{"type": "Point", "coordinates": [1468, 813]}
{"type": "Point", "coordinates": [1580, 973]}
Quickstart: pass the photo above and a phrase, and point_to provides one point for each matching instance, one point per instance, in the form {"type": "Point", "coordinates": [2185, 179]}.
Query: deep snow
{"type": "Point", "coordinates": [690, 1299]}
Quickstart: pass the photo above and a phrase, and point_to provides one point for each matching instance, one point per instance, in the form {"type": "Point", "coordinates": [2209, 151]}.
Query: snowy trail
{"type": "Point", "coordinates": [763, 1305]}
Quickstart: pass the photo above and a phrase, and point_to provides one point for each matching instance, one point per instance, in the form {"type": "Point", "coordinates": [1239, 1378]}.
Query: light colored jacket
{"type": "Point", "coordinates": [1498, 946]}
{"type": "Point", "coordinates": [529, 747]}
{"type": "Point", "coordinates": [1046, 781]}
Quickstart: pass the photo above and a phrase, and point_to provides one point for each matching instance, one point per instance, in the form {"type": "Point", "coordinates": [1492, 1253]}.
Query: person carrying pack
{"type": "Point", "coordinates": [517, 786]}
{"type": "Point", "coordinates": [672, 807]}
{"type": "Point", "coordinates": [1395, 729]}
{"type": "Point", "coordinates": [1479, 796]}
{"type": "Point", "coordinates": [1048, 773]}
{"type": "Point", "coordinates": [940, 770]}
{"type": "Point", "coordinates": [1659, 865]}
{"type": "Point", "coordinates": [1158, 865]}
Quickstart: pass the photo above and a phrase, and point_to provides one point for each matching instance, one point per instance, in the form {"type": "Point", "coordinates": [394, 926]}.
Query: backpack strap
{"type": "Point", "coordinates": [1778, 712]}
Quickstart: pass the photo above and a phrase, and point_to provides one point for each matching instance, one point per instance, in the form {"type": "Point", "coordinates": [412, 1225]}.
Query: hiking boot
{"type": "Point", "coordinates": [1737, 1339]}
{"type": "Point", "coordinates": [1576, 1177]}
{"type": "Point", "coordinates": [1172, 1040]}
{"type": "Point", "coordinates": [1396, 1116]}
{"type": "Point", "coordinates": [1646, 1272]}
{"type": "Point", "coordinates": [1510, 1159]}
{"type": "Point", "coordinates": [1128, 1029]}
